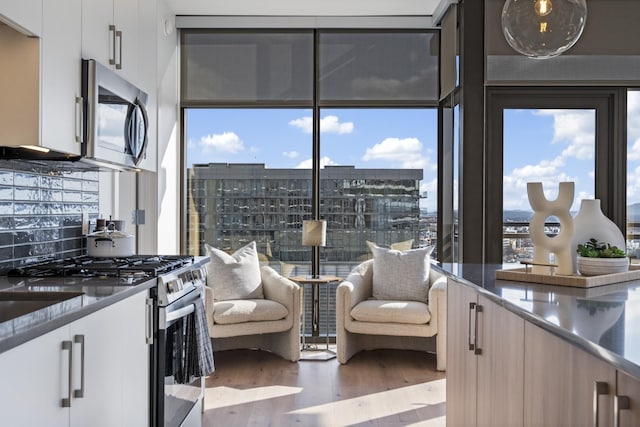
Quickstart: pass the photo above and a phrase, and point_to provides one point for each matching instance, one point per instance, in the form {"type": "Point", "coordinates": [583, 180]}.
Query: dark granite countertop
{"type": "Point", "coordinates": [95, 294]}
{"type": "Point", "coordinates": [602, 320]}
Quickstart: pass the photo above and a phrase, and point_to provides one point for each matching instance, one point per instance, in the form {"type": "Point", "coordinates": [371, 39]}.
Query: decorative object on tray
{"type": "Point", "coordinates": [596, 258]}
{"type": "Point", "coordinates": [575, 280]}
{"type": "Point", "coordinates": [559, 245]}
{"type": "Point", "coordinates": [590, 223]}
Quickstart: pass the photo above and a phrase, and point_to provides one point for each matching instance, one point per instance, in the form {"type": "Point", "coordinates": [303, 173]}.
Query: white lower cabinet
{"type": "Point", "coordinates": [108, 357]}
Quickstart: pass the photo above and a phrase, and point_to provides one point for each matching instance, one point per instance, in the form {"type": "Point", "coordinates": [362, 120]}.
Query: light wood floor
{"type": "Point", "coordinates": [376, 388]}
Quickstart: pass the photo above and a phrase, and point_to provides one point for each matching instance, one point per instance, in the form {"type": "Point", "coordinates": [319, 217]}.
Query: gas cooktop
{"type": "Point", "coordinates": [86, 266]}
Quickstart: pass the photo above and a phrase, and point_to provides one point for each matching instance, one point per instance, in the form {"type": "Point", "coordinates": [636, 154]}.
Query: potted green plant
{"type": "Point", "coordinates": [596, 258]}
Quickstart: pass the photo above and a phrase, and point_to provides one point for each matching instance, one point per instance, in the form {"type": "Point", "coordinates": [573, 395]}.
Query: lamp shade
{"type": "Point", "coordinates": [543, 28]}
{"type": "Point", "coordinates": [314, 233]}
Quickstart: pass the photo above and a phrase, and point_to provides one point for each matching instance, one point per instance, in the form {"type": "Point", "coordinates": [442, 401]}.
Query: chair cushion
{"type": "Point", "coordinates": [235, 276]}
{"type": "Point", "coordinates": [380, 311]}
{"type": "Point", "coordinates": [401, 275]}
{"type": "Point", "coordinates": [247, 310]}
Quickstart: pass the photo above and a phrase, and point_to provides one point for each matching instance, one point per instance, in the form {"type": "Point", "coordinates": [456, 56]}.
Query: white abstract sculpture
{"type": "Point", "coordinates": [544, 245]}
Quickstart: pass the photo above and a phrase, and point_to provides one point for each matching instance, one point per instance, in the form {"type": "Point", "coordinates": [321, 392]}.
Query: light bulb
{"type": "Point", "coordinates": [542, 29]}
{"type": "Point", "coordinates": [543, 7]}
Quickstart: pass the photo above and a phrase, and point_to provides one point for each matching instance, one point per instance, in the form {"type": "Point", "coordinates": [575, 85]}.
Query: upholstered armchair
{"type": "Point", "coordinates": [365, 321]}
{"type": "Point", "coordinates": [245, 310]}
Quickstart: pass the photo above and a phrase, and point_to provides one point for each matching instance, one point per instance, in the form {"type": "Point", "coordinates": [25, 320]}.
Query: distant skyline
{"type": "Point", "coordinates": [548, 146]}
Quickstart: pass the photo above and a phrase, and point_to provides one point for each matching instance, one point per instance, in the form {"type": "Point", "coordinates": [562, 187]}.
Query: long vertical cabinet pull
{"type": "Point", "coordinates": [112, 51]}
{"type": "Point", "coordinates": [472, 309]}
{"type": "Point", "coordinates": [79, 339]}
{"type": "Point", "coordinates": [619, 403]}
{"type": "Point", "coordinates": [476, 348]}
{"type": "Point", "coordinates": [599, 388]}
{"type": "Point", "coordinates": [148, 309]}
{"type": "Point", "coordinates": [119, 37]}
{"type": "Point", "coordinates": [68, 346]}
{"type": "Point", "coordinates": [79, 119]}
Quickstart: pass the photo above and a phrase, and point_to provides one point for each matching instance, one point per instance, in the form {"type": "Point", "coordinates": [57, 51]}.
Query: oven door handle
{"type": "Point", "coordinates": [179, 313]}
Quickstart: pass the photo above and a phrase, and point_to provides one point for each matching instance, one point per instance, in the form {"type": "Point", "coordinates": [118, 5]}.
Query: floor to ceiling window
{"type": "Point", "coordinates": [547, 146]}
{"type": "Point", "coordinates": [633, 173]}
{"type": "Point", "coordinates": [249, 100]}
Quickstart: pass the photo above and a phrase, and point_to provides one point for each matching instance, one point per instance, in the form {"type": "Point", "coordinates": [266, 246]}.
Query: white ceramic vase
{"type": "Point", "coordinates": [591, 223]}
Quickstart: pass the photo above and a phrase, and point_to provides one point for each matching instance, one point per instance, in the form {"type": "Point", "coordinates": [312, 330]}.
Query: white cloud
{"type": "Point", "coordinates": [405, 152]}
{"type": "Point", "coordinates": [290, 154]}
{"type": "Point", "coordinates": [324, 161]}
{"type": "Point", "coordinates": [574, 128]}
{"type": "Point", "coordinates": [331, 124]}
{"type": "Point", "coordinates": [227, 142]}
{"type": "Point", "coordinates": [328, 124]}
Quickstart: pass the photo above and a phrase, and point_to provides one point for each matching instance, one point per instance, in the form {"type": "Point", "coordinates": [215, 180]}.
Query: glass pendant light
{"type": "Point", "coordinates": [543, 28]}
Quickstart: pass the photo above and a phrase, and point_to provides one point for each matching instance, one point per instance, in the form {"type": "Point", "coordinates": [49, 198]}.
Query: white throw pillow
{"type": "Point", "coordinates": [234, 276]}
{"type": "Point", "coordinates": [401, 275]}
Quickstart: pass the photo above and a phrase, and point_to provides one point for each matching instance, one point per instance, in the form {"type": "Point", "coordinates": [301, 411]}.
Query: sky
{"type": "Point", "coordinates": [548, 146]}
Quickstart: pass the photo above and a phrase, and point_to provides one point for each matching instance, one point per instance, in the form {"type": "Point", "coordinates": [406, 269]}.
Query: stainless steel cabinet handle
{"type": "Point", "coordinates": [476, 350]}
{"type": "Point", "coordinates": [119, 63]}
{"type": "Point", "coordinates": [79, 339]}
{"type": "Point", "coordinates": [619, 403]}
{"type": "Point", "coordinates": [599, 388]}
{"type": "Point", "coordinates": [148, 310]}
{"type": "Point", "coordinates": [67, 346]}
{"type": "Point", "coordinates": [79, 119]}
{"type": "Point", "coordinates": [472, 308]}
{"type": "Point", "coordinates": [112, 53]}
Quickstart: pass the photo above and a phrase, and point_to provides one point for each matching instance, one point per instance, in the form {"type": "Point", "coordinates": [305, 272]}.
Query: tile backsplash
{"type": "Point", "coordinates": [41, 207]}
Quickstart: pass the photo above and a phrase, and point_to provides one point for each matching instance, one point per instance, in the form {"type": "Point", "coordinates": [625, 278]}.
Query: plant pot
{"type": "Point", "coordinates": [596, 266]}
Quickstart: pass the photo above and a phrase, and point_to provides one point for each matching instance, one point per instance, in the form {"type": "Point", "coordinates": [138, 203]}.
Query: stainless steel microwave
{"type": "Point", "coordinates": [115, 118]}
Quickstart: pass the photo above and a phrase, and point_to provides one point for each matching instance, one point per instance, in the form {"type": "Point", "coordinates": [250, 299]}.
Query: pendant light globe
{"type": "Point", "coordinates": [543, 29]}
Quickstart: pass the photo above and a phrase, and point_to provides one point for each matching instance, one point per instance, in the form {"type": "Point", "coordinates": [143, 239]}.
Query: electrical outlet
{"type": "Point", "coordinates": [85, 223]}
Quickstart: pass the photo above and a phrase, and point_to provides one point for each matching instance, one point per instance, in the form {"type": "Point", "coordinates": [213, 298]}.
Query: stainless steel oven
{"type": "Point", "coordinates": [177, 393]}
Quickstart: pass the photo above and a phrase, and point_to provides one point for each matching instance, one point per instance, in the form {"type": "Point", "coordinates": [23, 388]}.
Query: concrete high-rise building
{"type": "Point", "coordinates": [230, 205]}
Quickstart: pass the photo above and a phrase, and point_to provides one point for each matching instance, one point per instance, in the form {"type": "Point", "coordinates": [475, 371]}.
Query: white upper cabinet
{"type": "Point", "coordinates": [60, 103]}
{"type": "Point", "coordinates": [24, 15]}
{"type": "Point", "coordinates": [110, 35]}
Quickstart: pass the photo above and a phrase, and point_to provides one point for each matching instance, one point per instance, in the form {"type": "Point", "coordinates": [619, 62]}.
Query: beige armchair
{"type": "Point", "coordinates": [271, 323]}
{"type": "Point", "coordinates": [364, 323]}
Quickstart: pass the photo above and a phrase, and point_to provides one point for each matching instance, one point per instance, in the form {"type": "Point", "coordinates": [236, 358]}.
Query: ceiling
{"type": "Point", "coordinates": [306, 8]}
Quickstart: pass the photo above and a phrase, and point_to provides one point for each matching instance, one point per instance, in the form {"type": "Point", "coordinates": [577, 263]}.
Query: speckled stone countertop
{"type": "Point", "coordinates": [602, 320]}
{"type": "Point", "coordinates": [96, 293]}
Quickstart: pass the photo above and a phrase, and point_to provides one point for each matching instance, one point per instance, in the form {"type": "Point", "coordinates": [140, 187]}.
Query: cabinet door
{"type": "Point", "coordinates": [628, 388]}
{"type": "Point", "coordinates": [135, 360]}
{"type": "Point", "coordinates": [97, 40]}
{"type": "Point", "coordinates": [125, 15]}
{"type": "Point", "coordinates": [560, 383]}
{"type": "Point", "coordinates": [35, 379]}
{"type": "Point", "coordinates": [26, 14]}
{"type": "Point", "coordinates": [500, 386]}
{"type": "Point", "coordinates": [461, 362]}
{"type": "Point", "coordinates": [101, 400]}
{"type": "Point", "coordinates": [60, 76]}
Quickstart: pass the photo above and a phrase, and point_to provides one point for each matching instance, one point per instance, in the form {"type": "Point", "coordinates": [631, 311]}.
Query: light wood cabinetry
{"type": "Point", "coordinates": [25, 15]}
{"type": "Point", "coordinates": [60, 103]}
{"type": "Point", "coordinates": [100, 363]}
{"type": "Point", "coordinates": [485, 345]}
{"type": "Point", "coordinates": [561, 383]}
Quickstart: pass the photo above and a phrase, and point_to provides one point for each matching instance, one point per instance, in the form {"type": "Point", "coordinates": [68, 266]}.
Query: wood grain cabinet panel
{"type": "Point", "coordinates": [485, 345]}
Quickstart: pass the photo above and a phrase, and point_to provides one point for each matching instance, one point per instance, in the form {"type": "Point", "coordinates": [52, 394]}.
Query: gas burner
{"type": "Point", "coordinates": [136, 266]}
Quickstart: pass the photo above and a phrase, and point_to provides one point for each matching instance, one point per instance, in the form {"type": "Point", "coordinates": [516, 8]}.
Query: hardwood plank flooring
{"type": "Point", "coordinates": [376, 388]}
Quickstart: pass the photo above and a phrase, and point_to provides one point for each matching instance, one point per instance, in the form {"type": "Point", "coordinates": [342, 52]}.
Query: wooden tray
{"type": "Point", "coordinates": [520, 275]}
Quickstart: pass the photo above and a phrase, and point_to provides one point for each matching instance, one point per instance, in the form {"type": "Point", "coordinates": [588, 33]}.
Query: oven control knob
{"type": "Point", "coordinates": [174, 285]}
